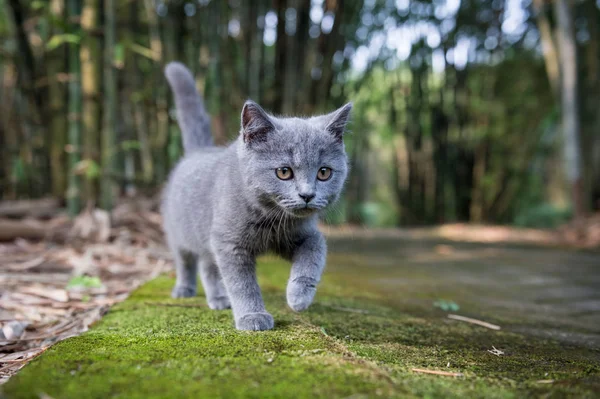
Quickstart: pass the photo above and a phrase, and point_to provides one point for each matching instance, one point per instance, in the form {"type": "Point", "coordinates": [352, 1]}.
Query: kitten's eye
{"type": "Point", "coordinates": [284, 173]}
{"type": "Point", "coordinates": [324, 174]}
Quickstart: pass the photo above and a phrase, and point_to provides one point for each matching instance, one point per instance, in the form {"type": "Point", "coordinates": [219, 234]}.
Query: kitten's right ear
{"type": "Point", "coordinates": [338, 120]}
{"type": "Point", "coordinates": [256, 124]}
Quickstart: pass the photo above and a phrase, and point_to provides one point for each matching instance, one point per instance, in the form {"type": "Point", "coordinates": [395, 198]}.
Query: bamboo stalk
{"type": "Point", "coordinates": [108, 189]}
{"type": "Point", "coordinates": [74, 117]}
{"type": "Point", "coordinates": [90, 83]}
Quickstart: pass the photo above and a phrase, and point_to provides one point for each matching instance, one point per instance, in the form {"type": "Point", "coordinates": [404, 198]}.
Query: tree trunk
{"type": "Point", "coordinates": [108, 188]}
{"type": "Point", "coordinates": [334, 42]}
{"type": "Point", "coordinates": [135, 97]}
{"type": "Point", "coordinates": [477, 195]}
{"type": "Point", "coordinates": [291, 62]}
{"type": "Point", "coordinates": [249, 45]}
{"type": "Point", "coordinates": [58, 122]}
{"type": "Point", "coordinates": [262, 68]}
{"type": "Point", "coordinates": [590, 119]}
{"type": "Point", "coordinates": [32, 106]}
{"type": "Point", "coordinates": [569, 104]}
{"type": "Point", "coordinates": [439, 134]}
{"type": "Point", "coordinates": [255, 61]}
{"type": "Point", "coordinates": [415, 147]}
{"type": "Point", "coordinates": [216, 94]}
{"type": "Point", "coordinates": [280, 57]}
{"type": "Point", "coordinates": [302, 42]}
{"type": "Point", "coordinates": [10, 129]}
{"type": "Point", "coordinates": [74, 190]}
{"type": "Point", "coordinates": [316, 78]}
{"type": "Point", "coordinates": [39, 208]}
{"type": "Point", "coordinates": [30, 229]}
{"type": "Point", "coordinates": [463, 162]}
{"type": "Point", "coordinates": [90, 84]}
{"type": "Point", "coordinates": [28, 64]}
{"type": "Point", "coordinates": [548, 47]}
{"type": "Point", "coordinates": [160, 140]}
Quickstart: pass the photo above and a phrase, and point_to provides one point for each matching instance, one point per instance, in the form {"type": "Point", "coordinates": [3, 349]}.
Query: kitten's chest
{"type": "Point", "coordinates": [271, 234]}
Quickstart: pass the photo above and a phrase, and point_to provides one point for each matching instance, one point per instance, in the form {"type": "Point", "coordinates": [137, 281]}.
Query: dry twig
{"type": "Point", "coordinates": [438, 372]}
{"type": "Point", "coordinates": [495, 351]}
{"type": "Point", "coordinates": [474, 321]}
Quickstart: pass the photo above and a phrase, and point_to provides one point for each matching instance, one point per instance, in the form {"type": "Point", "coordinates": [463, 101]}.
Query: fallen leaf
{"type": "Point", "coordinates": [58, 295]}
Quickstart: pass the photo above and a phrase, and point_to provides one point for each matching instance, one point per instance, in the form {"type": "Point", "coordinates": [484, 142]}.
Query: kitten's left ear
{"type": "Point", "coordinates": [256, 124]}
{"type": "Point", "coordinates": [338, 120]}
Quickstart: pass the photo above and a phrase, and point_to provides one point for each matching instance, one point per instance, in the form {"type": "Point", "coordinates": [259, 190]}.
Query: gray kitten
{"type": "Point", "coordinates": [223, 206]}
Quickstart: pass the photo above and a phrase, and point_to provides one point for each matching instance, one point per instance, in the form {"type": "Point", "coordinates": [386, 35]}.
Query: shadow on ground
{"type": "Point", "coordinates": [372, 323]}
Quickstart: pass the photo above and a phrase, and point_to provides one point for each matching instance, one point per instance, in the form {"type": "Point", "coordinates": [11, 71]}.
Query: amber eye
{"type": "Point", "coordinates": [284, 173]}
{"type": "Point", "coordinates": [324, 174]}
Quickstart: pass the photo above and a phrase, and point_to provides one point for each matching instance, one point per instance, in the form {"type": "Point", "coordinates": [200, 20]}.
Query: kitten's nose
{"type": "Point", "coordinates": [307, 197]}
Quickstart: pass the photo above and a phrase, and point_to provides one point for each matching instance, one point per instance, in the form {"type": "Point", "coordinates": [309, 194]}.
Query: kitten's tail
{"type": "Point", "coordinates": [191, 115]}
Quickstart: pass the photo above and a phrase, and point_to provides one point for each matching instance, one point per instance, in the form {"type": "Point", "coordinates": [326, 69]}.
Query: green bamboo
{"type": "Point", "coordinates": [90, 82]}
{"type": "Point", "coordinates": [58, 121]}
{"type": "Point", "coordinates": [74, 146]}
{"type": "Point", "coordinates": [108, 188]}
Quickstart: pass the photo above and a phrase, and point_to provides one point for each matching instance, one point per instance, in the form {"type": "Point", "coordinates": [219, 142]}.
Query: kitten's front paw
{"type": "Point", "coordinates": [300, 293]}
{"type": "Point", "coordinates": [183, 292]}
{"type": "Point", "coordinates": [255, 322]}
{"type": "Point", "coordinates": [219, 303]}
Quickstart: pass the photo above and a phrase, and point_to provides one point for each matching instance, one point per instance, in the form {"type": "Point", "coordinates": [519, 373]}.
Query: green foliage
{"type": "Point", "coordinates": [63, 38]}
{"type": "Point", "coordinates": [79, 282]}
{"type": "Point", "coordinates": [18, 170]}
{"type": "Point", "coordinates": [174, 147]}
{"type": "Point", "coordinates": [502, 127]}
{"type": "Point", "coordinates": [446, 306]}
{"type": "Point", "coordinates": [119, 55]}
{"type": "Point", "coordinates": [38, 4]}
{"type": "Point", "coordinates": [141, 50]}
{"type": "Point", "coordinates": [128, 145]}
{"type": "Point", "coordinates": [369, 213]}
{"type": "Point", "coordinates": [88, 168]}
{"type": "Point", "coordinates": [544, 216]}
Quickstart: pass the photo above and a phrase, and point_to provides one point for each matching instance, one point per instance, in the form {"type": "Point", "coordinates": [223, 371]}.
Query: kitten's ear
{"type": "Point", "coordinates": [337, 121]}
{"type": "Point", "coordinates": [256, 124]}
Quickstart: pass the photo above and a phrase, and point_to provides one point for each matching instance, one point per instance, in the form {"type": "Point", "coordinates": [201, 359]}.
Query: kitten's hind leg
{"type": "Point", "coordinates": [186, 265]}
{"type": "Point", "coordinates": [216, 295]}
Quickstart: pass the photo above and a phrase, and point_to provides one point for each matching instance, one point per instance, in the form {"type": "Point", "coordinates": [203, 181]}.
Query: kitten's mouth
{"type": "Point", "coordinates": [303, 212]}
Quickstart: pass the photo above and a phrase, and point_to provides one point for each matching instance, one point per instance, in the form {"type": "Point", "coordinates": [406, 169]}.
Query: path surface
{"type": "Point", "coordinates": [539, 291]}
{"type": "Point", "coordinates": [372, 325]}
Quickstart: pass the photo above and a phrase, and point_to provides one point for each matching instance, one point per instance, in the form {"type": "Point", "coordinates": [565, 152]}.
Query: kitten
{"type": "Point", "coordinates": [223, 206]}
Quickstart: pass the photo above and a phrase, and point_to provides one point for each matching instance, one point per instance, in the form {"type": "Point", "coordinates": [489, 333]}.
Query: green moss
{"type": "Point", "coordinates": [350, 342]}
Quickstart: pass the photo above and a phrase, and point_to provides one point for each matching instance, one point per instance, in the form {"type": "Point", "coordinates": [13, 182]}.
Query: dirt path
{"type": "Point", "coordinates": [540, 291]}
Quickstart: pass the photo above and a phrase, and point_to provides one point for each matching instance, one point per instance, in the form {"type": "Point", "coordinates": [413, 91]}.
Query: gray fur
{"type": "Point", "coordinates": [191, 115]}
{"type": "Point", "coordinates": [223, 207]}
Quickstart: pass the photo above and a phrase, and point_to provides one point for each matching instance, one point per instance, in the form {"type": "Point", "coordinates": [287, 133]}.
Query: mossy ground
{"type": "Point", "coordinates": [353, 342]}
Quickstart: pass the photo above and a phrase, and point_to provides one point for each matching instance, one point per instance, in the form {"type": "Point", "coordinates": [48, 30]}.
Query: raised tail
{"type": "Point", "coordinates": [193, 119]}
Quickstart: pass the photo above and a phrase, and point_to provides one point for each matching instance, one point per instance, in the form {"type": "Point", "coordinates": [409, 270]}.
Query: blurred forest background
{"type": "Point", "coordinates": [483, 111]}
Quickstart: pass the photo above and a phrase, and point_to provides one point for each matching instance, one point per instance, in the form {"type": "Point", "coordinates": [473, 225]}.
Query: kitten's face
{"type": "Point", "coordinates": [296, 166]}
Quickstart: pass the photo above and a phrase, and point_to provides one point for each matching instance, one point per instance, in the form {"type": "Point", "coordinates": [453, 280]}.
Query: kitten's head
{"type": "Point", "coordinates": [293, 165]}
